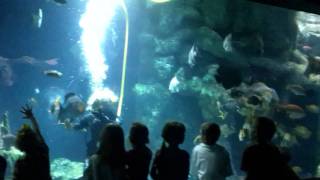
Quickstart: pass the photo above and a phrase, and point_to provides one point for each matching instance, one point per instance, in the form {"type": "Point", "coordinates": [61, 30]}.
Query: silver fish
{"type": "Point", "coordinates": [53, 73]}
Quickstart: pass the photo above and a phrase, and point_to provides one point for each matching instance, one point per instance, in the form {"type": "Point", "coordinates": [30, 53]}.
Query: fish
{"type": "Point", "coordinates": [242, 134]}
{"type": "Point", "coordinates": [174, 85]}
{"type": "Point", "coordinates": [293, 111]}
{"type": "Point", "coordinates": [61, 2]}
{"type": "Point", "coordinates": [227, 43]}
{"type": "Point", "coordinates": [306, 48]}
{"type": "Point", "coordinates": [160, 1]}
{"type": "Point", "coordinates": [288, 140]}
{"type": "Point", "coordinates": [296, 89]}
{"type": "Point", "coordinates": [192, 56]}
{"type": "Point", "coordinates": [246, 43]}
{"type": "Point", "coordinates": [34, 61]}
{"type": "Point", "coordinates": [52, 62]}
{"type": "Point", "coordinates": [313, 108]}
{"type": "Point", "coordinates": [302, 132]}
{"type": "Point", "coordinates": [53, 73]}
{"type": "Point", "coordinates": [38, 18]}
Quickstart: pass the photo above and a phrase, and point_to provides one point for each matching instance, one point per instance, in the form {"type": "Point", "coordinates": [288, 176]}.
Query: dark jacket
{"type": "Point", "coordinates": [138, 163]}
{"type": "Point", "coordinates": [170, 164]}
{"type": "Point", "coordinates": [34, 166]}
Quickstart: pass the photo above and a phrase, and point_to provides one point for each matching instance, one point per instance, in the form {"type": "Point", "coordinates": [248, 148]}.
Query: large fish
{"type": "Point", "coordinates": [38, 18]}
{"type": "Point", "coordinates": [293, 111]}
{"type": "Point", "coordinates": [53, 73]}
{"type": "Point", "coordinates": [7, 74]}
{"type": "Point", "coordinates": [160, 1]}
{"type": "Point", "coordinates": [192, 56]}
{"type": "Point", "coordinates": [296, 89]}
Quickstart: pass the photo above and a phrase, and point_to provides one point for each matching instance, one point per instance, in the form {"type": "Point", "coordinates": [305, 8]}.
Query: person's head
{"type": "Point", "coordinates": [139, 134]}
{"type": "Point", "coordinates": [105, 107]}
{"type": "Point", "coordinates": [111, 146]}
{"type": "Point", "coordinates": [3, 167]}
{"type": "Point", "coordinates": [173, 133]}
{"type": "Point", "coordinates": [264, 130]}
{"type": "Point", "coordinates": [27, 140]}
{"type": "Point", "coordinates": [210, 133]}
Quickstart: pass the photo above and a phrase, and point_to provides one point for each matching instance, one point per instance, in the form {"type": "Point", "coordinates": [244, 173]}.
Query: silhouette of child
{"type": "Point", "coordinates": [3, 167]}
{"type": "Point", "coordinates": [263, 160]}
{"type": "Point", "coordinates": [109, 161]}
{"type": "Point", "coordinates": [171, 162]}
{"type": "Point", "coordinates": [210, 161]}
{"type": "Point", "coordinates": [139, 157]}
{"type": "Point", "coordinates": [35, 164]}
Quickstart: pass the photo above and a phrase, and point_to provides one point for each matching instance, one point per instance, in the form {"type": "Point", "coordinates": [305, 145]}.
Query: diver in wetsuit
{"type": "Point", "coordinates": [97, 118]}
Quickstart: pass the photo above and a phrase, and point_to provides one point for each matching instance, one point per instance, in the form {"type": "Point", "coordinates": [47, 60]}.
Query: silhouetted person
{"type": "Point", "coordinates": [35, 164]}
{"type": "Point", "coordinates": [109, 161]}
{"type": "Point", "coordinates": [210, 161]}
{"type": "Point", "coordinates": [3, 167]}
{"type": "Point", "coordinates": [139, 157]}
{"type": "Point", "coordinates": [171, 162]}
{"type": "Point", "coordinates": [263, 160]}
{"type": "Point", "coordinates": [94, 121]}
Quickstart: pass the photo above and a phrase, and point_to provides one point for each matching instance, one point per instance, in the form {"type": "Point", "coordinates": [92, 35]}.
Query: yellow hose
{"type": "Point", "coordinates": [124, 62]}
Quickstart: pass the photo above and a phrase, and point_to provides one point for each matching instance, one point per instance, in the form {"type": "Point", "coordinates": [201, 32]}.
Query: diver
{"type": "Point", "coordinates": [100, 114]}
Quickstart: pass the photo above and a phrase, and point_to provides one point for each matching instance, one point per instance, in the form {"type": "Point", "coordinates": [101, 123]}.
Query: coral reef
{"type": "Point", "coordinates": [64, 169]}
{"type": "Point", "coordinates": [260, 50]}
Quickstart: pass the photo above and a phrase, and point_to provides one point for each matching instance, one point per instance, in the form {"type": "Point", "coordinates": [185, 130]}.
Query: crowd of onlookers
{"type": "Point", "coordinates": [209, 161]}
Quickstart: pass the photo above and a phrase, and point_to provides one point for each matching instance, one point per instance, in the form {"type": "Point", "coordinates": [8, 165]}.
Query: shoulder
{"type": "Point", "coordinates": [148, 151]}
{"type": "Point", "coordinates": [221, 149]}
{"type": "Point", "coordinates": [94, 158]}
{"type": "Point", "coordinates": [184, 154]}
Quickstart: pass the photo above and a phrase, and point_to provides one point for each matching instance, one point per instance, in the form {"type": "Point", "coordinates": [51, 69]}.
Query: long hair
{"type": "Point", "coordinates": [111, 149]}
{"type": "Point", "coordinates": [172, 133]}
{"type": "Point", "coordinates": [139, 134]}
{"type": "Point", "coordinates": [27, 140]}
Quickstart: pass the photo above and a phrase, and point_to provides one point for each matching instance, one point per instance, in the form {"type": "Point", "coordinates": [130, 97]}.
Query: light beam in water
{"type": "Point", "coordinates": [95, 22]}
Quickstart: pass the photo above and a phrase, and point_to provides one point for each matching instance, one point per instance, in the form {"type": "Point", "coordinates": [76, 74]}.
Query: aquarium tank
{"type": "Point", "coordinates": [154, 61]}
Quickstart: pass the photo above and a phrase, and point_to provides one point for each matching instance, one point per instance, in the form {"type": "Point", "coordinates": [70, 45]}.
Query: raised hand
{"type": "Point", "coordinates": [27, 112]}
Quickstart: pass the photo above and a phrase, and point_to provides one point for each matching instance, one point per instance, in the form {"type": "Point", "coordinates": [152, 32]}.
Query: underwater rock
{"type": "Point", "coordinates": [309, 24]}
{"type": "Point", "coordinates": [152, 98]}
{"type": "Point", "coordinates": [257, 98]}
{"type": "Point", "coordinates": [210, 41]}
{"type": "Point", "coordinates": [167, 46]}
{"type": "Point", "coordinates": [156, 90]}
{"type": "Point", "coordinates": [318, 171]}
{"type": "Point", "coordinates": [147, 40]}
{"type": "Point", "coordinates": [278, 36]}
{"type": "Point", "coordinates": [166, 20]}
{"type": "Point", "coordinates": [248, 44]}
{"type": "Point", "coordinates": [211, 95]}
{"type": "Point", "coordinates": [64, 169]}
{"type": "Point", "coordinates": [165, 67]}
{"type": "Point", "coordinates": [216, 13]}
